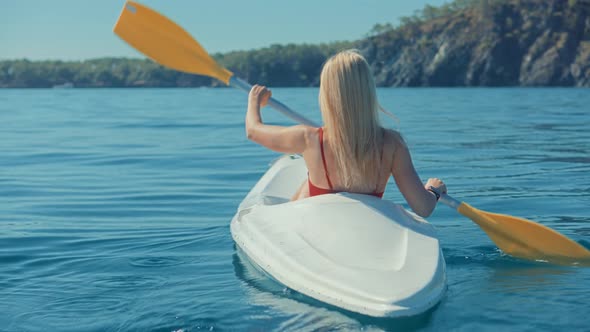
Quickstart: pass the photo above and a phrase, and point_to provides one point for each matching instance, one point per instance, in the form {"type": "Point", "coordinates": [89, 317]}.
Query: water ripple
{"type": "Point", "coordinates": [155, 262]}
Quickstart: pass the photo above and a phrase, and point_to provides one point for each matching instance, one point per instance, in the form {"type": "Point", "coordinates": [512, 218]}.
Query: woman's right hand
{"type": "Point", "coordinates": [260, 95]}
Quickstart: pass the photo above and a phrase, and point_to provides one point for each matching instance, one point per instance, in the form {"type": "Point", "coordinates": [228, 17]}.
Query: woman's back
{"type": "Point", "coordinates": [325, 175]}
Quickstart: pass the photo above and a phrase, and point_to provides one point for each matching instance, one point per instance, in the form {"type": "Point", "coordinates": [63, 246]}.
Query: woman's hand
{"type": "Point", "coordinates": [291, 139]}
{"type": "Point", "coordinates": [436, 186]}
{"type": "Point", "coordinates": [259, 95]}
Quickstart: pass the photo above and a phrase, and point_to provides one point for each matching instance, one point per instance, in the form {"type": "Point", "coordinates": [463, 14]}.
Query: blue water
{"type": "Point", "coordinates": [115, 209]}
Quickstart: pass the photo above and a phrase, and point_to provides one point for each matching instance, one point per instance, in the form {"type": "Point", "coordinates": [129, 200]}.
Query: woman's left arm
{"type": "Point", "coordinates": [277, 138]}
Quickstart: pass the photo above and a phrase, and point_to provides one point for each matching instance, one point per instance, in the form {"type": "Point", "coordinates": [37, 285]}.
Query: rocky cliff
{"type": "Point", "coordinates": [501, 43]}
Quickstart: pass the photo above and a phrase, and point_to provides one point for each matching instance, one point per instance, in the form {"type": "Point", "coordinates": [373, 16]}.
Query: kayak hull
{"type": "Point", "coordinates": [353, 251]}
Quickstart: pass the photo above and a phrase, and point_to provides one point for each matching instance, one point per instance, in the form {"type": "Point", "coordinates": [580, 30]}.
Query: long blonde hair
{"type": "Point", "coordinates": [349, 106]}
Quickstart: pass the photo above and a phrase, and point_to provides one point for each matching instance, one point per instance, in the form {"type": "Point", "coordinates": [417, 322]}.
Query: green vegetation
{"type": "Point", "coordinates": [290, 65]}
{"type": "Point", "coordinates": [105, 72]}
{"type": "Point", "coordinates": [282, 65]}
{"type": "Point", "coordinates": [429, 13]}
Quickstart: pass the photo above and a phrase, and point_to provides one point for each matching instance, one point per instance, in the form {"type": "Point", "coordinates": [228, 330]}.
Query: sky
{"type": "Point", "coordinates": [82, 29]}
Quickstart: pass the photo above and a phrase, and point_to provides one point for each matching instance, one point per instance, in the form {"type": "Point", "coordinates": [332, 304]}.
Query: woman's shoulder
{"type": "Point", "coordinates": [311, 134]}
{"type": "Point", "coordinates": [394, 139]}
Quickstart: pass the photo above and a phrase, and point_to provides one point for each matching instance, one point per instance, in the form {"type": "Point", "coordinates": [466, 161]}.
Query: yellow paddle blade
{"type": "Point", "coordinates": [165, 42]}
{"type": "Point", "coordinates": [526, 239]}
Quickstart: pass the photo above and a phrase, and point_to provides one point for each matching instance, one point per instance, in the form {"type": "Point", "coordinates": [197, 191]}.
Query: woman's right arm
{"type": "Point", "coordinates": [421, 200]}
{"type": "Point", "coordinates": [293, 139]}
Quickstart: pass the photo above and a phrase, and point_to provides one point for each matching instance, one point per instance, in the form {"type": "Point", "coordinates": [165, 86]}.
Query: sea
{"type": "Point", "coordinates": [115, 207]}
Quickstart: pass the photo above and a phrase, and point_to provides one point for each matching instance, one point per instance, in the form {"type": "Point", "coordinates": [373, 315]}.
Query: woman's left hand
{"type": "Point", "coordinates": [260, 95]}
{"type": "Point", "coordinates": [437, 186]}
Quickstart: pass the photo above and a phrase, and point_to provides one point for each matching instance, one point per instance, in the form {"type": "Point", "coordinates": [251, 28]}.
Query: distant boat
{"type": "Point", "coordinates": [67, 85]}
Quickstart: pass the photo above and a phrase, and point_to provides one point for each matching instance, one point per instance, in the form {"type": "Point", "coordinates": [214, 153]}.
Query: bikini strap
{"type": "Point", "coordinates": [324, 157]}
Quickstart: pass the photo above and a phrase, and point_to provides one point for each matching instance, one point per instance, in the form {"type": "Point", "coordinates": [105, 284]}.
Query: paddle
{"type": "Point", "coordinates": [523, 238]}
{"type": "Point", "coordinates": [169, 45]}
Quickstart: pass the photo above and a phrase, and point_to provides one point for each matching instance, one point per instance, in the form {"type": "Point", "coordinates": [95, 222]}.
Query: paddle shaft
{"type": "Point", "coordinates": [449, 201]}
{"type": "Point", "coordinates": [277, 105]}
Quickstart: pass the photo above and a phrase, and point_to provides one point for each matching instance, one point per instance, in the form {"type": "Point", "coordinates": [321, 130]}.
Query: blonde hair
{"type": "Point", "coordinates": [349, 107]}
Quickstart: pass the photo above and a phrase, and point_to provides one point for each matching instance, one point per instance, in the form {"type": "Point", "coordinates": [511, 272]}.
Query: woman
{"type": "Point", "coordinates": [352, 152]}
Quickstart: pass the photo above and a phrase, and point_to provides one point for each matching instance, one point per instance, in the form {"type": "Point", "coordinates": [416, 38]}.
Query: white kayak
{"type": "Point", "coordinates": [356, 252]}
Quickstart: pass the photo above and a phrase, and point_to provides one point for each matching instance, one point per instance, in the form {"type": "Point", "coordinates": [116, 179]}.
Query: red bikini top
{"type": "Point", "coordinates": [314, 190]}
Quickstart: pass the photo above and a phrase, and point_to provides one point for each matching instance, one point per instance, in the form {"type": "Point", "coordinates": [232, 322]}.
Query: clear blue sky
{"type": "Point", "coordinates": [82, 29]}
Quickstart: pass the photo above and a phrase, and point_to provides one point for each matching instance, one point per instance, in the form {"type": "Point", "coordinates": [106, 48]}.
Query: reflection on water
{"type": "Point", "coordinates": [307, 313]}
{"type": "Point", "coordinates": [528, 277]}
